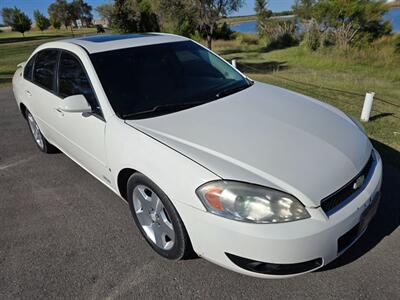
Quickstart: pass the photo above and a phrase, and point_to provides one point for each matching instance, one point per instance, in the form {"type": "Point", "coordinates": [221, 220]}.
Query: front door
{"type": "Point", "coordinates": [83, 133]}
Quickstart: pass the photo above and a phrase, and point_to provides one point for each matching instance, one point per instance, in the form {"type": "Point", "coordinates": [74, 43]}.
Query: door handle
{"type": "Point", "coordinates": [28, 93]}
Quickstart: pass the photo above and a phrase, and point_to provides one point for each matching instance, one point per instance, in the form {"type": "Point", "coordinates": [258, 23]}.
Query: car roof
{"type": "Point", "coordinates": [107, 42]}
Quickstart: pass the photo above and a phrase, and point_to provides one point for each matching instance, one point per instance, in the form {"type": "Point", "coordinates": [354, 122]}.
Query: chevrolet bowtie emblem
{"type": "Point", "coordinates": [359, 182]}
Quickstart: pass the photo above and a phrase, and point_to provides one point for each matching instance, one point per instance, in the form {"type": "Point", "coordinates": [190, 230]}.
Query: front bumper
{"type": "Point", "coordinates": [317, 238]}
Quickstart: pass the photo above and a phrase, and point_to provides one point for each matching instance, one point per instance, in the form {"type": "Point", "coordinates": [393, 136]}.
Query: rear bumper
{"type": "Point", "coordinates": [293, 245]}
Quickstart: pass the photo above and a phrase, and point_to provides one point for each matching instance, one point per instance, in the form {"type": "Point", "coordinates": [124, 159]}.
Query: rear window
{"type": "Point", "coordinates": [44, 70]}
{"type": "Point", "coordinates": [28, 68]}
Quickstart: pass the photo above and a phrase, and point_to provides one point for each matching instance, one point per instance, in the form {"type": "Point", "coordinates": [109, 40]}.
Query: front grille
{"type": "Point", "coordinates": [339, 198]}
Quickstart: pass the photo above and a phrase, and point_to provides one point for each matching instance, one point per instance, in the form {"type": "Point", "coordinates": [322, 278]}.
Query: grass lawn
{"type": "Point", "coordinates": [335, 77]}
{"type": "Point", "coordinates": [15, 49]}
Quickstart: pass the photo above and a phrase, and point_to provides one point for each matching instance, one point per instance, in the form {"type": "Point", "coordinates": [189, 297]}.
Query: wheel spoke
{"type": "Point", "coordinates": [144, 199]}
{"type": "Point", "coordinates": [143, 218]}
{"type": "Point", "coordinates": [167, 228]}
{"type": "Point", "coordinates": [158, 235]}
{"type": "Point", "coordinates": [149, 232]}
{"type": "Point", "coordinates": [157, 204]}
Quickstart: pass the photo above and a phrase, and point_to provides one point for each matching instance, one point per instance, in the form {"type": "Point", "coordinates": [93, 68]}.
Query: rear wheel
{"type": "Point", "coordinates": [157, 218]}
{"type": "Point", "coordinates": [38, 137]}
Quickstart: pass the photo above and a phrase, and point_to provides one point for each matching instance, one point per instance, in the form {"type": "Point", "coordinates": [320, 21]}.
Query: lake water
{"type": "Point", "coordinates": [393, 15]}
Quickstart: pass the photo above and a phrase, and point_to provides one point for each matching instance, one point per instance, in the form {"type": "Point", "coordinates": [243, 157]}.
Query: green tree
{"type": "Point", "coordinates": [7, 14]}
{"type": "Point", "coordinates": [41, 21]}
{"type": "Point", "coordinates": [60, 13]}
{"type": "Point", "coordinates": [126, 16]}
{"type": "Point", "coordinates": [211, 11]}
{"type": "Point", "coordinates": [134, 16]}
{"type": "Point", "coordinates": [352, 21]}
{"type": "Point", "coordinates": [55, 23]}
{"type": "Point", "coordinates": [263, 14]}
{"type": "Point", "coordinates": [21, 21]}
{"type": "Point", "coordinates": [80, 10]}
{"type": "Point", "coordinates": [176, 16]}
{"type": "Point", "coordinates": [106, 11]}
{"type": "Point", "coordinates": [148, 20]}
{"type": "Point", "coordinates": [223, 32]}
{"type": "Point", "coordinates": [205, 13]}
{"type": "Point", "coordinates": [304, 9]}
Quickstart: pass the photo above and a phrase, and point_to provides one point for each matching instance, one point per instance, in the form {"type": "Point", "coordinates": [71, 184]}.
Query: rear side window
{"type": "Point", "coordinates": [72, 80]}
{"type": "Point", "coordinates": [29, 68]}
{"type": "Point", "coordinates": [44, 70]}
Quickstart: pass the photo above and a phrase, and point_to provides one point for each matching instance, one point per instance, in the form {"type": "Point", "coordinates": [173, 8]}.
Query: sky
{"type": "Point", "coordinates": [28, 6]}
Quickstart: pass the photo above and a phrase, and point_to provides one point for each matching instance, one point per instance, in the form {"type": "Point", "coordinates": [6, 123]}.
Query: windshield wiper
{"type": "Point", "coordinates": [231, 90]}
{"type": "Point", "coordinates": [163, 108]}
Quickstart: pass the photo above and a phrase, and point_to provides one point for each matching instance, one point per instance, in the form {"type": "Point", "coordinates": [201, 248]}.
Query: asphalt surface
{"type": "Point", "coordinates": [65, 235]}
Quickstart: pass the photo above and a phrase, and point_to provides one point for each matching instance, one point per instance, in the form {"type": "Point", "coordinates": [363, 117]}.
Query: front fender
{"type": "Point", "coordinates": [177, 175]}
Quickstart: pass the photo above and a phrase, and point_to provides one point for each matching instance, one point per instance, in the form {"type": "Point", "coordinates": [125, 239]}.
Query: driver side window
{"type": "Point", "coordinates": [73, 80]}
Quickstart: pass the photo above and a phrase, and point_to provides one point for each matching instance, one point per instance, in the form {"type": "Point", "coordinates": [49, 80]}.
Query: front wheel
{"type": "Point", "coordinates": [157, 219]}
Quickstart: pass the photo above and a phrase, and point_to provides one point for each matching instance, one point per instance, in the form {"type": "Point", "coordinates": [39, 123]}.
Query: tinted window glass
{"type": "Point", "coordinates": [28, 69]}
{"type": "Point", "coordinates": [72, 79]}
{"type": "Point", "coordinates": [158, 79]}
{"type": "Point", "coordinates": [45, 65]}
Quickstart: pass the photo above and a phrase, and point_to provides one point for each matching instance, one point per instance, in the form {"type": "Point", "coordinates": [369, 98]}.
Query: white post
{"type": "Point", "coordinates": [366, 111]}
{"type": "Point", "coordinates": [234, 63]}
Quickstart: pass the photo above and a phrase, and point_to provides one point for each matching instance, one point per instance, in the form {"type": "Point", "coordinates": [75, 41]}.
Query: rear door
{"type": "Point", "coordinates": [41, 92]}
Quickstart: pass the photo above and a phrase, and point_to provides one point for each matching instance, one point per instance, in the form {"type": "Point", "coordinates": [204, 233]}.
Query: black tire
{"type": "Point", "coordinates": [45, 146]}
{"type": "Point", "coordinates": [182, 247]}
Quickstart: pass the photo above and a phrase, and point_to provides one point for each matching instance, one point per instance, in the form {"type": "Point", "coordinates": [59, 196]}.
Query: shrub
{"type": "Point", "coordinates": [247, 39]}
{"type": "Point", "coordinates": [312, 37]}
{"type": "Point", "coordinates": [222, 32]}
{"type": "Point", "coordinates": [396, 44]}
{"type": "Point", "coordinates": [280, 34]}
{"type": "Point", "coordinates": [326, 39]}
{"type": "Point", "coordinates": [197, 36]}
{"type": "Point", "coordinates": [312, 40]}
{"type": "Point", "coordinates": [282, 41]}
{"type": "Point", "coordinates": [352, 21]}
{"type": "Point", "coordinates": [185, 27]}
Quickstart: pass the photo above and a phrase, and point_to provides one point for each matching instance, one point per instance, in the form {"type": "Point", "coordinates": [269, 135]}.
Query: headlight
{"type": "Point", "coordinates": [250, 203]}
{"type": "Point", "coordinates": [358, 123]}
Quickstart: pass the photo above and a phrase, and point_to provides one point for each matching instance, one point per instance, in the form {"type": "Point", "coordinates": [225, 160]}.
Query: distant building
{"type": "Point", "coordinates": [5, 28]}
{"type": "Point", "coordinates": [103, 22]}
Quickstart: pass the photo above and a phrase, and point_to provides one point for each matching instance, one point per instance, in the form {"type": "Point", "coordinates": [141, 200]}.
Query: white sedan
{"type": "Point", "coordinates": [255, 178]}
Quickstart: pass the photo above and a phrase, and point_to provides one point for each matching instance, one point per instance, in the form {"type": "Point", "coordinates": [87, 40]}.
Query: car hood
{"type": "Point", "coordinates": [268, 136]}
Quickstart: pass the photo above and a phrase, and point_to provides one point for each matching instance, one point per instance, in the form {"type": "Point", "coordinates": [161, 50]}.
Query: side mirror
{"type": "Point", "coordinates": [76, 103]}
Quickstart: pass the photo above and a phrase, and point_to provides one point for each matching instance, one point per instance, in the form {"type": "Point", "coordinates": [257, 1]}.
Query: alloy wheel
{"type": "Point", "coordinates": [37, 135]}
{"type": "Point", "coordinates": [153, 217]}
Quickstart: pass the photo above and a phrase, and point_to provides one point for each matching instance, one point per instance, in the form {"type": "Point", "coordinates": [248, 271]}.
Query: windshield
{"type": "Point", "coordinates": [147, 81]}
